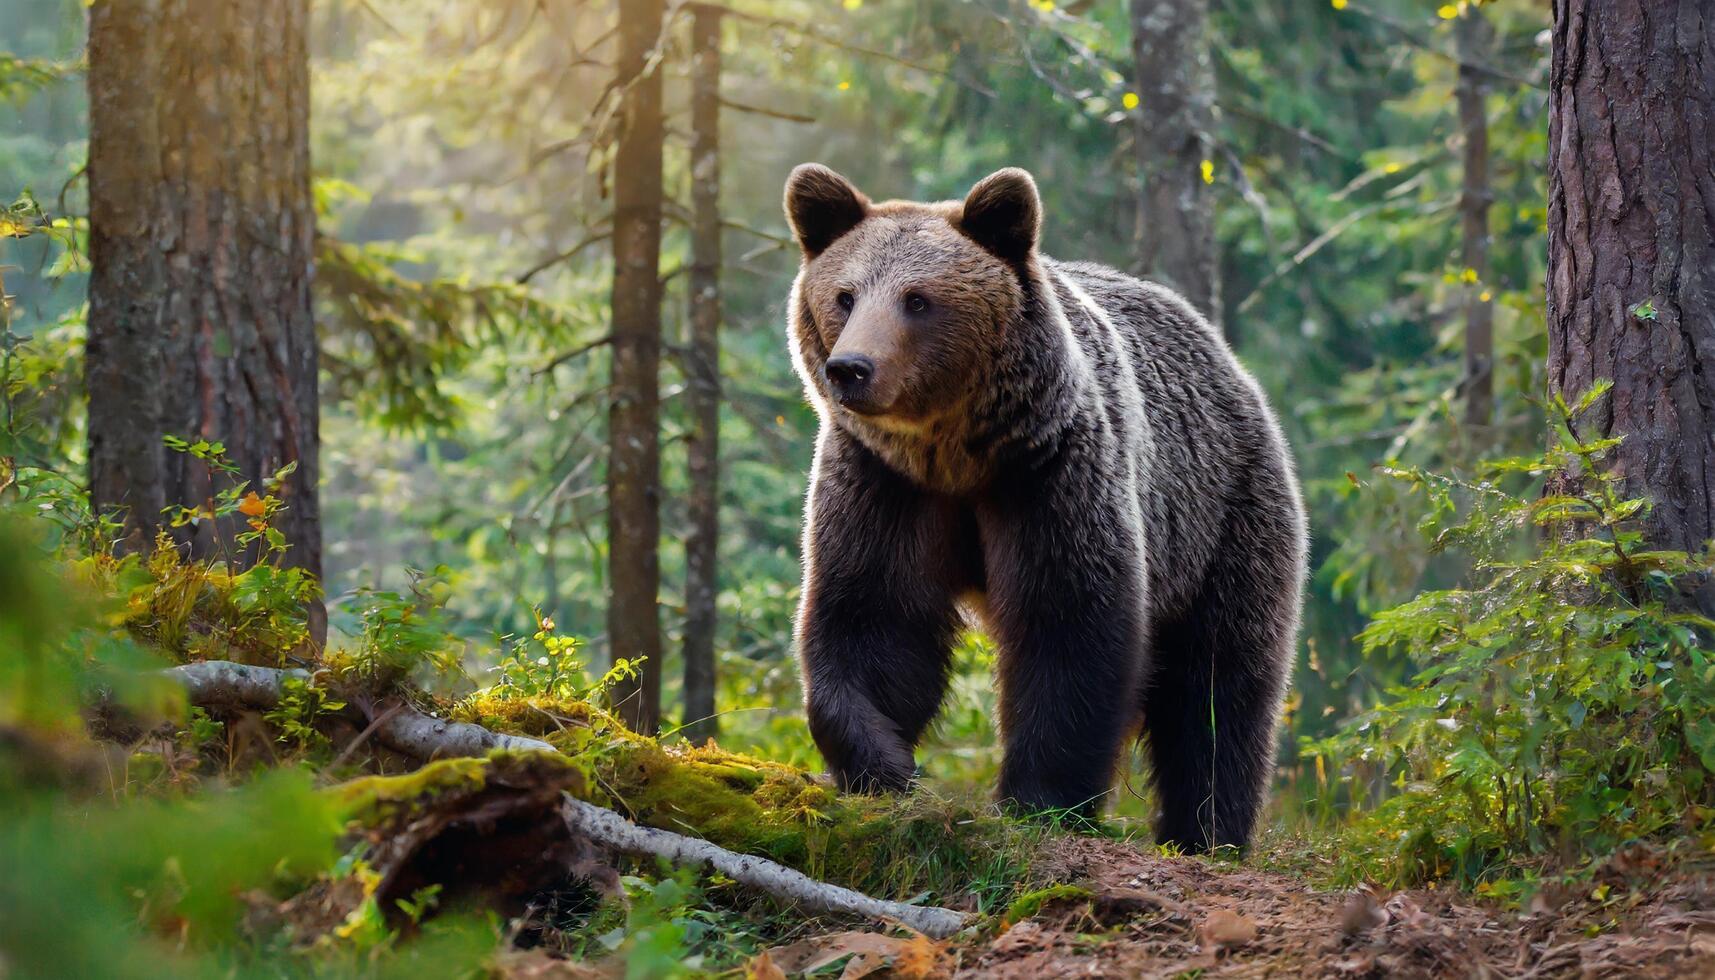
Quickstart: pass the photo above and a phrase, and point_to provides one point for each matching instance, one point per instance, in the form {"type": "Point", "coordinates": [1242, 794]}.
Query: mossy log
{"type": "Point", "coordinates": [749, 815]}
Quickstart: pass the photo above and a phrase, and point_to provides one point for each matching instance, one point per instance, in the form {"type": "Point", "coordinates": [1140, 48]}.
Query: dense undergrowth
{"type": "Point", "coordinates": [1562, 704]}
{"type": "Point", "coordinates": [195, 837]}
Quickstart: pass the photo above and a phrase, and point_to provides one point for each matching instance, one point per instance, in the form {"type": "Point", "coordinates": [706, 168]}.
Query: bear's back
{"type": "Point", "coordinates": [1211, 436]}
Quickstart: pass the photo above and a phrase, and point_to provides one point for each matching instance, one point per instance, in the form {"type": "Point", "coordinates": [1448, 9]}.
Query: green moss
{"type": "Point", "coordinates": [1030, 903]}
{"type": "Point", "coordinates": [540, 717]}
{"type": "Point", "coordinates": [380, 800]}
{"type": "Point", "coordinates": [895, 847]}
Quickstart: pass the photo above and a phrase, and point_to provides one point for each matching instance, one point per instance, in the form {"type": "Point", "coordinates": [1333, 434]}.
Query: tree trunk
{"type": "Point", "coordinates": [634, 451]}
{"type": "Point", "coordinates": [1474, 38]}
{"type": "Point", "coordinates": [703, 393]}
{"type": "Point", "coordinates": [201, 230]}
{"type": "Point", "coordinates": [1631, 244]}
{"type": "Point", "coordinates": [1175, 118]}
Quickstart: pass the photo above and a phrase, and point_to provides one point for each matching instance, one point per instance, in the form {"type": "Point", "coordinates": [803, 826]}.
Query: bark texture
{"type": "Point", "coordinates": [1475, 37]}
{"type": "Point", "coordinates": [703, 392]}
{"type": "Point", "coordinates": [634, 449]}
{"type": "Point", "coordinates": [201, 231]}
{"type": "Point", "coordinates": [1631, 220]}
{"type": "Point", "coordinates": [1175, 84]}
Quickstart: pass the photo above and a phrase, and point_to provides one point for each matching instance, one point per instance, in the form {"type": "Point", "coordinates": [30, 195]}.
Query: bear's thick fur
{"type": "Point", "coordinates": [1070, 456]}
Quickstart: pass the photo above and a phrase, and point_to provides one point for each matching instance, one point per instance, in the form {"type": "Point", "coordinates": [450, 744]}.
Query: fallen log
{"type": "Point", "coordinates": [610, 829]}
{"type": "Point", "coordinates": [404, 729]}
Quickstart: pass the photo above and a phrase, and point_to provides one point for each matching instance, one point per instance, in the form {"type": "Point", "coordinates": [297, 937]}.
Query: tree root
{"type": "Point", "coordinates": [402, 728]}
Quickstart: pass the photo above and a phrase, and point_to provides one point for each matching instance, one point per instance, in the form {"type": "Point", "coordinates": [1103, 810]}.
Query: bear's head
{"type": "Point", "coordinates": [902, 306]}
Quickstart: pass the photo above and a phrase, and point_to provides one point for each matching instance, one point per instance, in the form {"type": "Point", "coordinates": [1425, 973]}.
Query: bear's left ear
{"type": "Point", "coordinates": [1003, 214]}
{"type": "Point", "coordinates": [821, 206]}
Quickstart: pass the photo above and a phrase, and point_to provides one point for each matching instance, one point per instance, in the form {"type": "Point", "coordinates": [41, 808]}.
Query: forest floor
{"type": "Point", "coordinates": [1153, 916]}
{"type": "Point", "coordinates": [1140, 914]}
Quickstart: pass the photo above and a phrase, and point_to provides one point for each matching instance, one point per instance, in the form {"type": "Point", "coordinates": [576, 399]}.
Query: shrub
{"type": "Point", "coordinates": [1563, 701]}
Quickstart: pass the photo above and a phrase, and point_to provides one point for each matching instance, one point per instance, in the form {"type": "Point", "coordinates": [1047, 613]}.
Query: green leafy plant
{"type": "Point", "coordinates": [301, 706]}
{"type": "Point", "coordinates": [236, 500]}
{"type": "Point", "coordinates": [546, 665]}
{"type": "Point", "coordinates": [1563, 700]}
{"type": "Point", "coordinates": [401, 634]}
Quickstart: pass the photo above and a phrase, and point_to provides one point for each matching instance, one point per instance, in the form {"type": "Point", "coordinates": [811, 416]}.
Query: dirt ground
{"type": "Point", "coordinates": [1146, 916]}
{"type": "Point", "coordinates": [1161, 917]}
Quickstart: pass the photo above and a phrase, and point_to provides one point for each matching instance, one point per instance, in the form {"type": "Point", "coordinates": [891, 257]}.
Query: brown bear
{"type": "Point", "coordinates": [1069, 456]}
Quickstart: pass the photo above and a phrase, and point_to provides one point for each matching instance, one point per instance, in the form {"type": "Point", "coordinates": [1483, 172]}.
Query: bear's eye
{"type": "Point", "coordinates": [915, 303]}
{"type": "Point", "coordinates": [846, 300]}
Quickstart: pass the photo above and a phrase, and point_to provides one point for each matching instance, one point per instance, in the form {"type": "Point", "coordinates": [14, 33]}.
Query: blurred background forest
{"type": "Point", "coordinates": [525, 269]}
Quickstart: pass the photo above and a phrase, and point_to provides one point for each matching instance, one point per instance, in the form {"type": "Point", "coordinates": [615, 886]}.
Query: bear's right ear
{"type": "Point", "coordinates": [821, 206]}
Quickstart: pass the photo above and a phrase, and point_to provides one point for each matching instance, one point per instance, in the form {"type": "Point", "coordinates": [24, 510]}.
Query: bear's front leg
{"type": "Point", "coordinates": [1066, 596]}
{"type": "Point", "coordinates": [877, 617]}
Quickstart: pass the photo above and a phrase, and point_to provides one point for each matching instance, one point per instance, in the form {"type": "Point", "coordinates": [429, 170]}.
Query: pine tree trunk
{"type": "Point", "coordinates": [1474, 38]}
{"type": "Point", "coordinates": [1175, 120]}
{"type": "Point", "coordinates": [634, 451]}
{"type": "Point", "coordinates": [201, 231]}
{"type": "Point", "coordinates": [703, 393]}
{"type": "Point", "coordinates": [1631, 244]}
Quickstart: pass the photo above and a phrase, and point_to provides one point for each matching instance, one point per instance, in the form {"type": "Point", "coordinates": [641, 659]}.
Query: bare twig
{"type": "Point", "coordinates": [364, 736]}
{"type": "Point", "coordinates": [571, 353]}
{"type": "Point", "coordinates": [570, 253]}
{"type": "Point", "coordinates": [757, 110]}
{"type": "Point", "coordinates": [821, 37]}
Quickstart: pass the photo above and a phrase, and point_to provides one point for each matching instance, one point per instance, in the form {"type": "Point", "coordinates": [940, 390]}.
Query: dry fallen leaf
{"type": "Point", "coordinates": [761, 967]}
{"type": "Point", "coordinates": [1403, 909]}
{"type": "Point", "coordinates": [1361, 914]}
{"type": "Point", "coordinates": [870, 952]}
{"type": "Point", "coordinates": [1224, 929]}
{"type": "Point", "coordinates": [921, 959]}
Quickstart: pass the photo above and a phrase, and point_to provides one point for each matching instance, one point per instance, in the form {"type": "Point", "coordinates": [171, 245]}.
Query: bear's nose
{"type": "Point", "coordinates": [847, 371]}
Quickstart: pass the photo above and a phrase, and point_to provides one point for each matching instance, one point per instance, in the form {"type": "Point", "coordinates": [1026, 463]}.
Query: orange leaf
{"type": "Point", "coordinates": [252, 505]}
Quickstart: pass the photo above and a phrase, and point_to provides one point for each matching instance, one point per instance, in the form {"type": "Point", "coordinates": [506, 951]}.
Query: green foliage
{"type": "Point", "coordinates": [150, 888]}
{"type": "Point", "coordinates": [404, 635]}
{"type": "Point", "coordinates": [235, 500]}
{"type": "Point", "coordinates": [38, 685]}
{"type": "Point", "coordinates": [22, 77]}
{"type": "Point", "coordinates": [96, 883]}
{"type": "Point", "coordinates": [301, 707]}
{"type": "Point", "coordinates": [546, 666]}
{"type": "Point", "coordinates": [1561, 702]}
{"type": "Point", "coordinates": [393, 342]}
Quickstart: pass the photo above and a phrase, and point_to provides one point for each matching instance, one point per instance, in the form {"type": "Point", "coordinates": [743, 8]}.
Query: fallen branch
{"type": "Point", "coordinates": [220, 683]}
{"type": "Point", "coordinates": [422, 737]}
{"type": "Point", "coordinates": [612, 830]}
{"type": "Point", "coordinates": [215, 683]}
{"type": "Point", "coordinates": [406, 730]}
